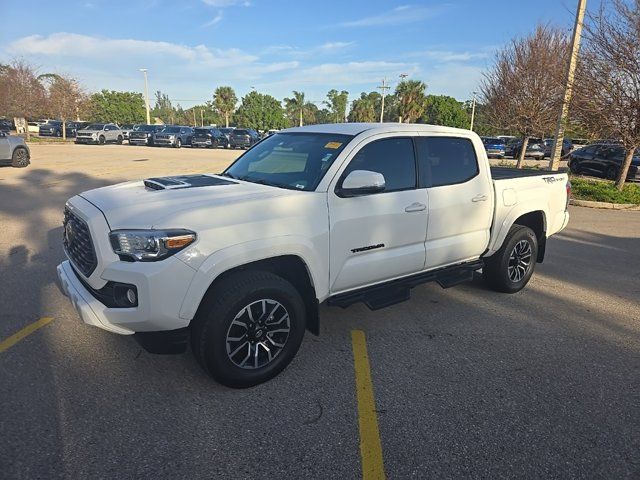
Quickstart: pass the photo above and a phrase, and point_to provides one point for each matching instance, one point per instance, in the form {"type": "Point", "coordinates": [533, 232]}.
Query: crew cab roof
{"type": "Point", "coordinates": [357, 128]}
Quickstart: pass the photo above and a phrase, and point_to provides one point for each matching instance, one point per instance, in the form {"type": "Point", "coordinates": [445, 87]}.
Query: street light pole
{"type": "Point", "coordinates": [402, 77]}
{"type": "Point", "coordinates": [473, 110]}
{"type": "Point", "coordinates": [384, 87]}
{"type": "Point", "coordinates": [146, 95]}
{"type": "Point", "coordinates": [556, 152]}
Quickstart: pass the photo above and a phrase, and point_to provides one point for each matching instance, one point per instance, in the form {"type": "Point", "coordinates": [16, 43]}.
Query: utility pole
{"type": "Point", "coordinates": [146, 95]}
{"type": "Point", "coordinates": [402, 77]}
{"type": "Point", "coordinates": [556, 152]}
{"type": "Point", "coordinates": [384, 87]}
{"type": "Point", "coordinates": [195, 124]}
{"type": "Point", "coordinates": [201, 118]}
{"type": "Point", "coordinates": [473, 110]}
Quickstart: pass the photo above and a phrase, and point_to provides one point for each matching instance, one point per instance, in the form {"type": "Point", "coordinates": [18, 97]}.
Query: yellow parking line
{"type": "Point", "coordinates": [20, 334]}
{"type": "Point", "coordinates": [370, 445]}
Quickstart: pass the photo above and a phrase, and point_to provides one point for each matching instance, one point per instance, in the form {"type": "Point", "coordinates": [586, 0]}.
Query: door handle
{"type": "Point", "coordinates": [479, 198]}
{"type": "Point", "coordinates": [415, 207]}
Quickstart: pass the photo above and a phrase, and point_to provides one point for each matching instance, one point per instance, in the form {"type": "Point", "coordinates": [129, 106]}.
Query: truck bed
{"type": "Point", "coordinates": [503, 173]}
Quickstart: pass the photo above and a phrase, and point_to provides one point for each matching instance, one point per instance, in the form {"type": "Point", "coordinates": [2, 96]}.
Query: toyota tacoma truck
{"type": "Point", "coordinates": [236, 264]}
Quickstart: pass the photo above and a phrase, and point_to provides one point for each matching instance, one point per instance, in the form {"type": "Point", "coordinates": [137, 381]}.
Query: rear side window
{"type": "Point", "coordinates": [392, 157]}
{"type": "Point", "coordinates": [445, 160]}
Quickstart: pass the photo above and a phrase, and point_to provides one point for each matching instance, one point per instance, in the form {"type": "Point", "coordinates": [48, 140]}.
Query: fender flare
{"type": "Point", "coordinates": [516, 212]}
{"type": "Point", "coordinates": [244, 253]}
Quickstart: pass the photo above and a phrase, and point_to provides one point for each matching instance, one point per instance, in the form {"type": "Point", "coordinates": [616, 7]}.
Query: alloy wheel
{"type": "Point", "coordinates": [519, 261]}
{"type": "Point", "coordinates": [257, 334]}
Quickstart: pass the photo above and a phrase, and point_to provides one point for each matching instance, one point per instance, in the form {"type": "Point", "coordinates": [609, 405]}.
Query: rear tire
{"type": "Point", "coordinates": [510, 268]}
{"type": "Point", "coordinates": [248, 328]}
{"type": "Point", "coordinates": [20, 158]}
{"type": "Point", "coordinates": [574, 167]}
{"type": "Point", "coordinates": [102, 140]}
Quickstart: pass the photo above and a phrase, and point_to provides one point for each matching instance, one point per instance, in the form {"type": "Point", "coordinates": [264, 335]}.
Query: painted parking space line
{"type": "Point", "coordinates": [370, 444]}
{"type": "Point", "coordinates": [20, 334]}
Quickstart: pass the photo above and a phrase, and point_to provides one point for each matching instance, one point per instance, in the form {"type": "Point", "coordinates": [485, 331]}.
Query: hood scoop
{"type": "Point", "coordinates": [187, 181]}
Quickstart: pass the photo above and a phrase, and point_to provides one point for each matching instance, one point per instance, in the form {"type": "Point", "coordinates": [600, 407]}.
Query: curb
{"type": "Point", "coordinates": [604, 205]}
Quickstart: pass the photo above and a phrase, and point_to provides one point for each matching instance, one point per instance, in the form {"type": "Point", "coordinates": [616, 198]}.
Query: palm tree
{"type": "Point", "coordinates": [225, 101]}
{"type": "Point", "coordinates": [411, 100]}
{"type": "Point", "coordinates": [296, 106]}
{"type": "Point", "coordinates": [364, 109]}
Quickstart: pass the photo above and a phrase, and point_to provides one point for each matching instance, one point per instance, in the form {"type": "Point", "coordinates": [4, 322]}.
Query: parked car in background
{"type": "Point", "coordinates": [227, 131]}
{"type": "Point", "coordinates": [142, 134]}
{"type": "Point", "coordinates": [126, 130]}
{"type": "Point", "coordinates": [34, 127]}
{"type": "Point", "coordinates": [495, 147]}
{"type": "Point", "coordinates": [243, 138]}
{"type": "Point", "coordinates": [209, 137]}
{"type": "Point", "coordinates": [603, 160]}
{"type": "Point", "coordinates": [567, 146]}
{"type": "Point", "coordinates": [173, 136]}
{"type": "Point", "coordinates": [5, 125]}
{"type": "Point", "coordinates": [73, 127]}
{"type": "Point", "coordinates": [100, 133]}
{"type": "Point", "coordinates": [53, 128]}
{"type": "Point", "coordinates": [14, 151]}
{"type": "Point", "coordinates": [535, 149]}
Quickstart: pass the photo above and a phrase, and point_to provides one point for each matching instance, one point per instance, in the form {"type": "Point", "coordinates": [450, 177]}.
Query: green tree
{"type": "Point", "coordinates": [411, 100]}
{"type": "Point", "coordinates": [116, 107]}
{"type": "Point", "coordinates": [444, 110]}
{"type": "Point", "coordinates": [366, 108]}
{"type": "Point", "coordinates": [260, 111]}
{"type": "Point", "coordinates": [296, 107]}
{"type": "Point", "coordinates": [225, 99]}
{"type": "Point", "coordinates": [337, 104]}
{"type": "Point", "coordinates": [163, 108]}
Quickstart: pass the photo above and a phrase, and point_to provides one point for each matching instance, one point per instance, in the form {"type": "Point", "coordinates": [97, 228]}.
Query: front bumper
{"type": "Point", "coordinates": [196, 142]}
{"type": "Point", "coordinates": [164, 142]}
{"type": "Point", "coordinates": [85, 140]}
{"type": "Point", "coordinates": [139, 141]}
{"type": "Point", "coordinates": [161, 291]}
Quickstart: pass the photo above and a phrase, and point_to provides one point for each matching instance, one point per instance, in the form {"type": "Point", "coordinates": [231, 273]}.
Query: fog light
{"type": "Point", "coordinates": [131, 296]}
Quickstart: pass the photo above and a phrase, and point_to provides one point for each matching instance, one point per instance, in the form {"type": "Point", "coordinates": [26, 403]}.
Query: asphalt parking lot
{"type": "Point", "coordinates": [468, 383]}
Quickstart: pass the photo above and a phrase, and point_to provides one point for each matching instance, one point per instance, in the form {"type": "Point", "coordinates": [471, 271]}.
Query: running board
{"type": "Point", "coordinates": [397, 291]}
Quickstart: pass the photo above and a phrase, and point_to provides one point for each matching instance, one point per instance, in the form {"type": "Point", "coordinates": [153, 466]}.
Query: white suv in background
{"type": "Point", "coordinates": [100, 133]}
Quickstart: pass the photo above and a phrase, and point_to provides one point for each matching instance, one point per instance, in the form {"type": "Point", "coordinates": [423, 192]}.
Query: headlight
{"type": "Point", "coordinates": [172, 137]}
{"type": "Point", "coordinates": [149, 245]}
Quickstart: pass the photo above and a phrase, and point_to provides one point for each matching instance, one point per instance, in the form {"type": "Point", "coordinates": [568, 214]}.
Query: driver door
{"type": "Point", "coordinates": [5, 148]}
{"type": "Point", "coordinates": [379, 236]}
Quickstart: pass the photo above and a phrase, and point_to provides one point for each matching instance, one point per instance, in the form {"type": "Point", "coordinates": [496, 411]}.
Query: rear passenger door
{"type": "Point", "coordinates": [378, 236]}
{"type": "Point", "coordinates": [460, 199]}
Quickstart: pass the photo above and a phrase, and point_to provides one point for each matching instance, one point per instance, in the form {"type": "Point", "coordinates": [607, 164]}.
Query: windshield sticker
{"type": "Point", "coordinates": [333, 145]}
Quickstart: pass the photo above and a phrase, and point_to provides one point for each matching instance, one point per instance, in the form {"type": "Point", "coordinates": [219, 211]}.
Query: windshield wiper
{"type": "Point", "coordinates": [225, 174]}
{"type": "Point", "coordinates": [262, 181]}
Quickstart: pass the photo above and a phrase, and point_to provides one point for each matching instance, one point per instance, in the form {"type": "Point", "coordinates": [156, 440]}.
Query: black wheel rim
{"type": "Point", "coordinates": [21, 156]}
{"type": "Point", "coordinates": [257, 334]}
{"type": "Point", "coordinates": [519, 261]}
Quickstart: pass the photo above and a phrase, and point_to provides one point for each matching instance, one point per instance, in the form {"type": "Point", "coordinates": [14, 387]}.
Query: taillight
{"type": "Point", "coordinates": [566, 207]}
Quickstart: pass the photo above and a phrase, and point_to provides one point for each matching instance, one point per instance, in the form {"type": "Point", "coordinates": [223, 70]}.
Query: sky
{"type": "Point", "coordinates": [276, 46]}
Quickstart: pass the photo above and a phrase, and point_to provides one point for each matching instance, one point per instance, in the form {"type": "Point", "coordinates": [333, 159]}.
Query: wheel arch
{"type": "Point", "coordinates": [528, 216]}
{"type": "Point", "coordinates": [291, 267]}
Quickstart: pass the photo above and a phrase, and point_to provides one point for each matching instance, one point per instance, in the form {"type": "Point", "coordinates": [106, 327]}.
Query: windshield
{"type": "Point", "coordinates": [171, 130]}
{"type": "Point", "coordinates": [144, 128]}
{"type": "Point", "coordinates": [226, 130]}
{"type": "Point", "coordinates": [95, 126]}
{"type": "Point", "coordinates": [202, 131]}
{"type": "Point", "coordinates": [494, 141]}
{"type": "Point", "coordinates": [240, 132]}
{"type": "Point", "coordinates": [289, 160]}
{"type": "Point", "coordinates": [126, 126]}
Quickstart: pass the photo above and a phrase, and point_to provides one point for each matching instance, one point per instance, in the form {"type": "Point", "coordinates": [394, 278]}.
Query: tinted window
{"type": "Point", "coordinates": [392, 157]}
{"type": "Point", "coordinates": [446, 161]}
{"type": "Point", "coordinates": [588, 150]}
{"type": "Point", "coordinates": [240, 132]}
{"type": "Point", "coordinates": [290, 160]}
{"type": "Point", "coordinates": [202, 131]}
{"type": "Point", "coordinates": [171, 130]}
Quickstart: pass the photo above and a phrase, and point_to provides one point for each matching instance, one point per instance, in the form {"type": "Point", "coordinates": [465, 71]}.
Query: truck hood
{"type": "Point", "coordinates": [144, 204]}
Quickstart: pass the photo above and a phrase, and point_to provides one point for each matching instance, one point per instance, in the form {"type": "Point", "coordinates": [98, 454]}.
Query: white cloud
{"type": "Point", "coordinates": [226, 3]}
{"type": "Point", "coordinates": [447, 56]}
{"type": "Point", "coordinates": [325, 48]}
{"type": "Point", "coordinates": [398, 16]}
{"type": "Point", "coordinates": [214, 20]}
{"type": "Point", "coordinates": [84, 46]}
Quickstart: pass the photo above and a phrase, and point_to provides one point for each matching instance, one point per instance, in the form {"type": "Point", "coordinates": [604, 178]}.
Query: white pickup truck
{"type": "Point", "coordinates": [238, 263]}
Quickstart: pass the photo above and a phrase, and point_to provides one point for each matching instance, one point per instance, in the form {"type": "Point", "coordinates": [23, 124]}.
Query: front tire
{"type": "Point", "coordinates": [20, 158]}
{"type": "Point", "coordinates": [119, 140]}
{"type": "Point", "coordinates": [611, 173]}
{"type": "Point", "coordinates": [178, 143]}
{"type": "Point", "coordinates": [510, 268]}
{"type": "Point", "coordinates": [102, 140]}
{"type": "Point", "coordinates": [248, 328]}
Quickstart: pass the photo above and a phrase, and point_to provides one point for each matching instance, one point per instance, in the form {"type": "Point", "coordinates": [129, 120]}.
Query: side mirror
{"type": "Point", "coordinates": [361, 182]}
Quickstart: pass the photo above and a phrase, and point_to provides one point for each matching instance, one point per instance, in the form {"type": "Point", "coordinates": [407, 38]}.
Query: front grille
{"type": "Point", "coordinates": [77, 243]}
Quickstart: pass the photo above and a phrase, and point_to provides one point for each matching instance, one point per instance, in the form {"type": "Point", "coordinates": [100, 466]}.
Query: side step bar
{"type": "Point", "coordinates": [396, 291]}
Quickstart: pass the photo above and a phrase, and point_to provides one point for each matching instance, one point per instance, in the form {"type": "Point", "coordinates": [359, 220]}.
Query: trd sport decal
{"type": "Point", "coordinates": [369, 247]}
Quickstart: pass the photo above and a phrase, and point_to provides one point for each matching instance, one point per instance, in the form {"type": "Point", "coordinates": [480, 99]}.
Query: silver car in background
{"type": "Point", "coordinates": [100, 133]}
{"type": "Point", "coordinates": [13, 151]}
